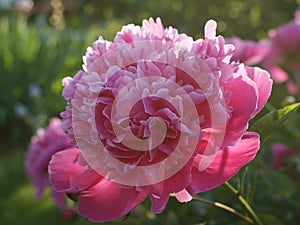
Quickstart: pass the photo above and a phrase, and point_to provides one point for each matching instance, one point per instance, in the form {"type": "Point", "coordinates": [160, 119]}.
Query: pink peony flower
{"type": "Point", "coordinates": [247, 51]}
{"type": "Point", "coordinates": [153, 113]}
{"type": "Point", "coordinates": [280, 154]}
{"type": "Point", "coordinates": [47, 142]}
{"type": "Point", "coordinates": [283, 58]}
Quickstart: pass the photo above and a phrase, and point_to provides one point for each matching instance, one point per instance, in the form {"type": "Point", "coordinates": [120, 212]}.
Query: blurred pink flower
{"type": "Point", "coordinates": [247, 51]}
{"type": "Point", "coordinates": [283, 58]}
{"type": "Point", "coordinates": [47, 142]}
{"type": "Point", "coordinates": [150, 83]}
{"type": "Point", "coordinates": [280, 154]}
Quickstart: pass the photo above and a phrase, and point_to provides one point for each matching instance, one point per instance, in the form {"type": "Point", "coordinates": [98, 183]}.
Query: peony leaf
{"type": "Point", "coordinates": [273, 120]}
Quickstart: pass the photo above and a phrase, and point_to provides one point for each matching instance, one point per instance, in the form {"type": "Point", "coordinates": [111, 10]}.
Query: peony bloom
{"type": "Point", "coordinates": [47, 142]}
{"type": "Point", "coordinates": [280, 154]}
{"type": "Point", "coordinates": [247, 51]}
{"type": "Point", "coordinates": [153, 113]}
{"type": "Point", "coordinates": [283, 58]}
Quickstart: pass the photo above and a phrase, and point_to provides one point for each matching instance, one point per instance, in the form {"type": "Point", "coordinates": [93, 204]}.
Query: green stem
{"type": "Point", "coordinates": [244, 203]}
{"type": "Point", "coordinates": [224, 207]}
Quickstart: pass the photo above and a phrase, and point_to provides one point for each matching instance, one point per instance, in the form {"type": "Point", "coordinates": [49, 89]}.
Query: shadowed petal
{"type": "Point", "coordinates": [226, 164]}
{"type": "Point", "coordinates": [108, 201]}
{"type": "Point", "coordinates": [62, 166]}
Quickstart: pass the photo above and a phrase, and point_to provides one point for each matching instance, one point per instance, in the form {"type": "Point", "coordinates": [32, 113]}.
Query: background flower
{"type": "Point", "coordinates": [46, 143]}
{"type": "Point", "coordinates": [280, 154]}
{"type": "Point", "coordinates": [282, 60]}
{"type": "Point", "coordinates": [248, 51]}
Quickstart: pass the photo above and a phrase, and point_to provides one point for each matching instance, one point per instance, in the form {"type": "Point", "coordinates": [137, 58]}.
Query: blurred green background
{"type": "Point", "coordinates": [43, 41]}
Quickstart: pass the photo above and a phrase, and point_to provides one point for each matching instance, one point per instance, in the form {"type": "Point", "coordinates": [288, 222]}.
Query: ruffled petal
{"type": "Point", "coordinates": [108, 201]}
{"type": "Point", "coordinates": [226, 164]}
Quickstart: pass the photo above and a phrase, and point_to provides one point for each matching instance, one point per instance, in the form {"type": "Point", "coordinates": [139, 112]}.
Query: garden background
{"type": "Point", "coordinates": [42, 41]}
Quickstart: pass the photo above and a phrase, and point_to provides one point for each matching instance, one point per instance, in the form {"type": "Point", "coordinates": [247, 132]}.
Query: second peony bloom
{"type": "Point", "coordinates": [153, 113]}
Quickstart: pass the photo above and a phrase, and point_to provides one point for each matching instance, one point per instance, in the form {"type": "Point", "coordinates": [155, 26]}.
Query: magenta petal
{"type": "Point", "coordinates": [159, 202]}
{"type": "Point", "coordinates": [159, 193]}
{"type": "Point", "coordinates": [108, 201]}
{"type": "Point", "coordinates": [243, 103]}
{"type": "Point", "coordinates": [226, 164]}
{"type": "Point", "coordinates": [263, 84]}
{"type": "Point", "coordinates": [84, 180]}
{"type": "Point", "coordinates": [62, 167]}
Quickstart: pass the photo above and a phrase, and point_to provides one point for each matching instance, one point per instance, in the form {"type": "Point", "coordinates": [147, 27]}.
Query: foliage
{"type": "Point", "coordinates": [33, 62]}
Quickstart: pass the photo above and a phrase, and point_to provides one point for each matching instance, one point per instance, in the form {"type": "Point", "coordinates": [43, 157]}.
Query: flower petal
{"type": "Point", "coordinates": [242, 105]}
{"type": "Point", "coordinates": [62, 166]}
{"type": "Point", "coordinates": [159, 202]}
{"type": "Point", "coordinates": [183, 196]}
{"type": "Point", "coordinates": [278, 74]}
{"type": "Point", "coordinates": [226, 164]}
{"type": "Point", "coordinates": [210, 29]}
{"type": "Point", "coordinates": [84, 180]}
{"type": "Point", "coordinates": [159, 193]}
{"type": "Point", "coordinates": [263, 84]}
{"type": "Point", "coordinates": [108, 201]}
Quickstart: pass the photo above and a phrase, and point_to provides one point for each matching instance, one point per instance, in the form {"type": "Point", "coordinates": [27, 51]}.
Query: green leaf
{"type": "Point", "coordinates": [273, 120]}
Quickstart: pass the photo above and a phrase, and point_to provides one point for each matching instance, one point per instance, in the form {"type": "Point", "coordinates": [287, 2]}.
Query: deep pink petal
{"type": "Point", "coordinates": [108, 201]}
{"type": "Point", "coordinates": [242, 105]}
{"type": "Point", "coordinates": [159, 202]}
{"type": "Point", "coordinates": [226, 164]}
{"type": "Point", "coordinates": [263, 84]}
{"type": "Point", "coordinates": [159, 193]}
{"type": "Point", "coordinates": [62, 167]}
{"type": "Point", "coordinates": [84, 180]}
